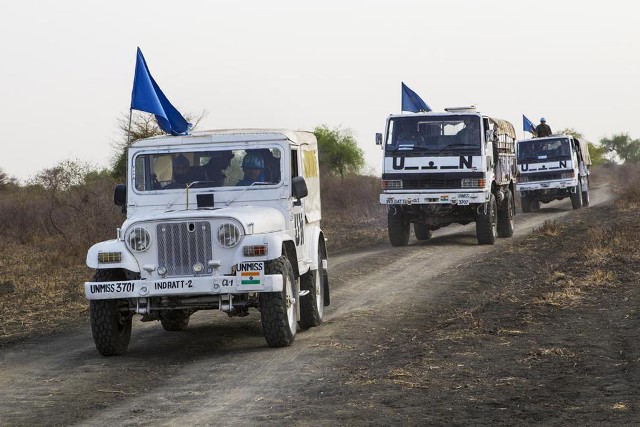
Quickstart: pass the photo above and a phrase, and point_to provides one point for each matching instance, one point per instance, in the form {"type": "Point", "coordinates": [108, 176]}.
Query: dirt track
{"type": "Point", "coordinates": [220, 372]}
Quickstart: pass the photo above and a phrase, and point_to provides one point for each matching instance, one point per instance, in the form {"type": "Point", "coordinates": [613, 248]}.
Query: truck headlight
{"type": "Point", "coordinates": [139, 239]}
{"type": "Point", "coordinates": [229, 235]}
{"type": "Point", "coordinates": [473, 183]}
{"type": "Point", "coordinates": [391, 184]}
{"type": "Point", "coordinates": [568, 175]}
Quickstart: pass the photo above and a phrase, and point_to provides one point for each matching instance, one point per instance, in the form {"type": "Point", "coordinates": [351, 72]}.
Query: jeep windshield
{"type": "Point", "coordinates": [542, 150]}
{"type": "Point", "coordinates": [200, 169]}
{"type": "Point", "coordinates": [454, 134]}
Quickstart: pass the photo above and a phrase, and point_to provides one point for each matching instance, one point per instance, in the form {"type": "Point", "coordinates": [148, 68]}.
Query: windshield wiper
{"type": "Point", "coordinates": [245, 189]}
{"type": "Point", "coordinates": [186, 190]}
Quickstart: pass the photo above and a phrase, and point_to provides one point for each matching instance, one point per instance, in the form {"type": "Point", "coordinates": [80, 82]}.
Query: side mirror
{"type": "Point", "coordinates": [299, 187]}
{"type": "Point", "coordinates": [120, 196]}
{"type": "Point", "coordinates": [378, 138]}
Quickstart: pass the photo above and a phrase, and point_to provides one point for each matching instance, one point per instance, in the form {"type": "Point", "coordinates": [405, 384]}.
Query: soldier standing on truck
{"type": "Point", "coordinates": [543, 129]}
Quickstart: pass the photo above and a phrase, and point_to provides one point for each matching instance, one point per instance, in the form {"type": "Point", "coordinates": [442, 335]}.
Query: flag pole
{"type": "Point", "coordinates": [129, 129]}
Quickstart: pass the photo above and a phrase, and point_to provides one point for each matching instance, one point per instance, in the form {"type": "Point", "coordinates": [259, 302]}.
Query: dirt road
{"type": "Point", "coordinates": [220, 371]}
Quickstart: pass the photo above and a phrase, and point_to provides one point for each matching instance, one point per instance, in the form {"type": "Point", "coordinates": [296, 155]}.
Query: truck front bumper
{"type": "Point", "coordinates": [449, 198]}
{"type": "Point", "coordinates": [183, 286]}
{"type": "Point", "coordinates": [546, 186]}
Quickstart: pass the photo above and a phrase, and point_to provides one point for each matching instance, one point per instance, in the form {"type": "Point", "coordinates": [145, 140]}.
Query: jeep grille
{"type": "Point", "coordinates": [183, 244]}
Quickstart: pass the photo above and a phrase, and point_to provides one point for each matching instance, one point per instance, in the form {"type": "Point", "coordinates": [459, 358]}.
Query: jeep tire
{"type": "Point", "coordinates": [110, 319]}
{"type": "Point", "coordinates": [525, 202]}
{"type": "Point", "coordinates": [278, 309]}
{"type": "Point", "coordinates": [312, 304]}
{"type": "Point", "coordinates": [174, 320]}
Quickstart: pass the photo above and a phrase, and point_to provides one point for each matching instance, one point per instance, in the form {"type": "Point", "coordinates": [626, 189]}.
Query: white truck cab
{"type": "Point", "coordinates": [439, 168]}
{"type": "Point", "coordinates": [553, 168]}
{"type": "Point", "coordinates": [226, 220]}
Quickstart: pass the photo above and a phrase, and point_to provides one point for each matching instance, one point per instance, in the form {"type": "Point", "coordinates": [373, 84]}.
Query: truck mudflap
{"type": "Point", "coordinates": [462, 199]}
{"type": "Point", "coordinates": [203, 285]}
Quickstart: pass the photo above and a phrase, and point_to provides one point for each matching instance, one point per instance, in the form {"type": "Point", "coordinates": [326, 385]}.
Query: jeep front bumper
{"type": "Point", "coordinates": [183, 286]}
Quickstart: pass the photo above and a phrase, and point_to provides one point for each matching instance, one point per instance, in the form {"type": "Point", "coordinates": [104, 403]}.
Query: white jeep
{"type": "Point", "coordinates": [226, 220]}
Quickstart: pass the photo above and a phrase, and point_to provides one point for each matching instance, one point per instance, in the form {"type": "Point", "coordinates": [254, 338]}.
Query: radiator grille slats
{"type": "Point", "coordinates": [183, 244]}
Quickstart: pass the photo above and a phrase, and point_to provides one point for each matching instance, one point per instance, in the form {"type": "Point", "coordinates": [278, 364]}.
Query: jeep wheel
{"type": "Point", "coordinates": [174, 320]}
{"type": "Point", "coordinates": [535, 205]}
{"type": "Point", "coordinates": [110, 319]}
{"type": "Point", "coordinates": [487, 223]}
{"type": "Point", "coordinates": [576, 197]}
{"type": "Point", "coordinates": [421, 231]}
{"type": "Point", "coordinates": [278, 309]}
{"type": "Point", "coordinates": [525, 202]}
{"type": "Point", "coordinates": [506, 216]}
{"type": "Point", "coordinates": [399, 226]}
{"type": "Point", "coordinates": [312, 304]}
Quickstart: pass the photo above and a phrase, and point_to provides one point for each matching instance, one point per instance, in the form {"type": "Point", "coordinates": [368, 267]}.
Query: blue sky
{"type": "Point", "coordinates": [68, 67]}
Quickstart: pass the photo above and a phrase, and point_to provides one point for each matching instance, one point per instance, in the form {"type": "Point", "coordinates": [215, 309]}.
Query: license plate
{"type": "Point", "coordinates": [463, 202]}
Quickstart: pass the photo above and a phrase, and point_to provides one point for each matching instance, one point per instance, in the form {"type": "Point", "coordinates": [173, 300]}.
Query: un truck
{"type": "Point", "coordinates": [220, 220]}
{"type": "Point", "coordinates": [553, 168]}
{"type": "Point", "coordinates": [439, 168]}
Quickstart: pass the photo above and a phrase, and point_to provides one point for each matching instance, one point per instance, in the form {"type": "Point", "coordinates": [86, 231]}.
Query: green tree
{"type": "Point", "coordinates": [627, 149]}
{"type": "Point", "coordinates": [143, 125]}
{"type": "Point", "coordinates": [338, 151]}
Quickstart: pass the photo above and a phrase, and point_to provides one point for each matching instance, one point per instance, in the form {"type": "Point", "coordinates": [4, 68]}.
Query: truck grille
{"type": "Point", "coordinates": [430, 183]}
{"type": "Point", "coordinates": [540, 176]}
{"type": "Point", "coordinates": [183, 244]}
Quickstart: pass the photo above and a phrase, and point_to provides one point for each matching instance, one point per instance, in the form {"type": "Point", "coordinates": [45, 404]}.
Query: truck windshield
{"type": "Point", "coordinates": [541, 150]}
{"type": "Point", "coordinates": [450, 134]}
{"type": "Point", "coordinates": [198, 169]}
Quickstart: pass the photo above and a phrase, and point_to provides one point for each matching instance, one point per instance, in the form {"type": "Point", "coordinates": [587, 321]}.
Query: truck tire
{"type": "Point", "coordinates": [278, 309]}
{"type": "Point", "coordinates": [487, 223]}
{"type": "Point", "coordinates": [585, 198]}
{"type": "Point", "coordinates": [421, 231]}
{"type": "Point", "coordinates": [399, 226]}
{"type": "Point", "coordinates": [576, 197]}
{"type": "Point", "coordinates": [535, 205]}
{"type": "Point", "coordinates": [312, 304]}
{"type": "Point", "coordinates": [174, 320]}
{"type": "Point", "coordinates": [525, 202]}
{"type": "Point", "coordinates": [506, 216]}
{"type": "Point", "coordinates": [110, 319]}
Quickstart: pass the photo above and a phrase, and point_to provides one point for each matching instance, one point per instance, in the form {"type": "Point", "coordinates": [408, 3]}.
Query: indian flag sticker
{"type": "Point", "coordinates": [250, 278]}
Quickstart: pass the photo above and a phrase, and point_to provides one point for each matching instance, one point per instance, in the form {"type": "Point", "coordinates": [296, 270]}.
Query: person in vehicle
{"type": "Point", "coordinates": [216, 166]}
{"type": "Point", "coordinates": [181, 169]}
{"type": "Point", "coordinates": [543, 129]}
{"type": "Point", "coordinates": [253, 167]}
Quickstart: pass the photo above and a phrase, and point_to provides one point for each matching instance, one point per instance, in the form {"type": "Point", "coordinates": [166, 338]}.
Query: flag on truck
{"type": "Point", "coordinates": [412, 102]}
{"type": "Point", "coordinates": [146, 96]}
{"type": "Point", "coordinates": [527, 126]}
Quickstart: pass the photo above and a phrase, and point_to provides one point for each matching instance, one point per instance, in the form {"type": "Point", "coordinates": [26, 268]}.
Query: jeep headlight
{"type": "Point", "coordinates": [139, 239]}
{"type": "Point", "coordinates": [229, 235]}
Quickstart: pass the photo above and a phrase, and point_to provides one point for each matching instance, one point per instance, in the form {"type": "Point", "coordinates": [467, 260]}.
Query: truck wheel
{"type": "Point", "coordinates": [487, 224]}
{"type": "Point", "coordinates": [576, 197]}
{"type": "Point", "coordinates": [535, 205]}
{"type": "Point", "coordinates": [174, 320]}
{"type": "Point", "coordinates": [422, 232]}
{"type": "Point", "coordinates": [399, 226]}
{"type": "Point", "coordinates": [312, 304]}
{"type": "Point", "coordinates": [585, 198]}
{"type": "Point", "coordinates": [525, 202]}
{"type": "Point", "coordinates": [506, 216]}
{"type": "Point", "coordinates": [110, 319]}
{"type": "Point", "coordinates": [278, 309]}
